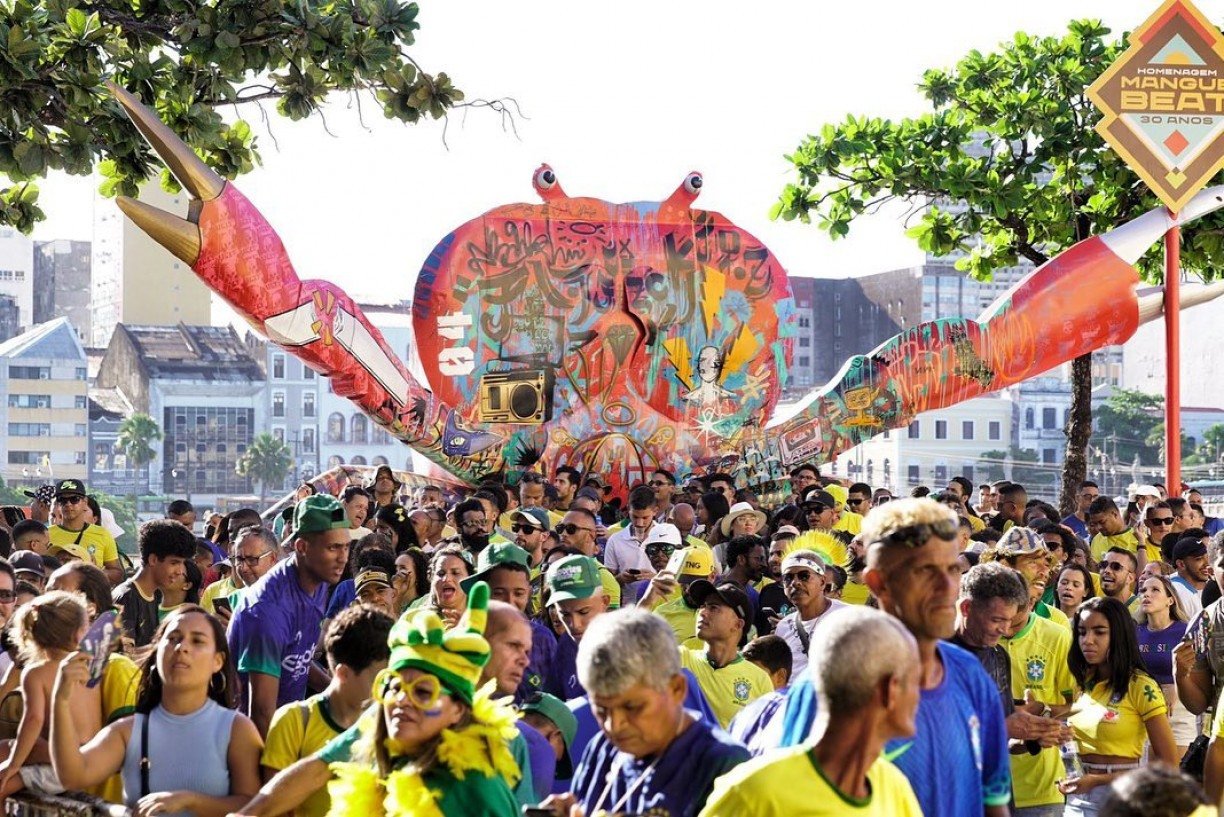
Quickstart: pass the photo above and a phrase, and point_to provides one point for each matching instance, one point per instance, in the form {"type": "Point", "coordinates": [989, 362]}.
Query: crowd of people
{"type": "Point", "coordinates": [538, 646]}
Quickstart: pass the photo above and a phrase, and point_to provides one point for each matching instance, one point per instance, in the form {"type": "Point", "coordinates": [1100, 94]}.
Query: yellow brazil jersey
{"type": "Point", "coordinates": [94, 544]}
{"type": "Point", "coordinates": [683, 621]}
{"type": "Point", "coordinates": [850, 522]}
{"type": "Point", "coordinates": [855, 593]}
{"type": "Point", "coordinates": [727, 689]}
{"type": "Point", "coordinates": [790, 781]}
{"type": "Point", "coordinates": [1038, 655]}
{"type": "Point", "coordinates": [610, 586]}
{"type": "Point", "coordinates": [1127, 540]}
{"type": "Point", "coordinates": [220, 589]}
{"type": "Point", "coordinates": [298, 730]}
{"type": "Point", "coordinates": [120, 680]}
{"type": "Point", "coordinates": [1105, 726]}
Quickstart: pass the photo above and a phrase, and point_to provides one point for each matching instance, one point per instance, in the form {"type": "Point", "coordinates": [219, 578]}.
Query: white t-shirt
{"type": "Point", "coordinates": [1191, 601]}
{"type": "Point", "coordinates": [787, 632]}
{"type": "Point", "coordinates": [623, 552]}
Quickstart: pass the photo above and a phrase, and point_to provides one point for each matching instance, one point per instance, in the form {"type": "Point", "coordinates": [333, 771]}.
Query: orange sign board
{"type": "Point", "coordinates": [1163, 102]}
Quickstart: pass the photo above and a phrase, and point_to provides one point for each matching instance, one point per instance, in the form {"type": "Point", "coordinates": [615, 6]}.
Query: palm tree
{"type": "Point", "coordinates": [266, 460]}
{"type": "Point", "coordinates": [136, 435]}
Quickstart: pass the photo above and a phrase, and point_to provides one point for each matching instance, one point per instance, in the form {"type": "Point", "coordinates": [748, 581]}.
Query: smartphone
{"type": "Point", "coordinates": [537, 811]}
{"type": "Point", "coordinates": [223, 606]}
{"type": "Point", "coordinates": [675, 563]}
{"type": "Point", "coordinates": [634, 572]}
{"type": "Point", "coordinates": [97, 644]}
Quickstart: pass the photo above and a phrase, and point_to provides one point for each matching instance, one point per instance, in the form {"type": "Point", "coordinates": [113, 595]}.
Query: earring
{"type": "Point", "coordinates": [223, 682]}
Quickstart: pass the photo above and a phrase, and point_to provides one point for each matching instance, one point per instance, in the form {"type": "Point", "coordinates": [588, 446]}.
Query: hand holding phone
{"type": "Point", "coordinates": [97, 645]}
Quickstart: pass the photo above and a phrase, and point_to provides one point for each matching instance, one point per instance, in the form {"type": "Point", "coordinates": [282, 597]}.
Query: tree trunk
{"type": "Point", "coordinates": [1078, 431]}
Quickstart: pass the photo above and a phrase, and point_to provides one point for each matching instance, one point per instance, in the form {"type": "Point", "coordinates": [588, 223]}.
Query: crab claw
{"type": "Point", "coordinates": [190, 170]}
{"type": "Point", "coordinates": [178, 235]}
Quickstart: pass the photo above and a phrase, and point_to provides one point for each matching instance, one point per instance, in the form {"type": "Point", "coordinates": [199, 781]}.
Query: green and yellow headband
{"type": "Point", "coordinates": [456, 656]}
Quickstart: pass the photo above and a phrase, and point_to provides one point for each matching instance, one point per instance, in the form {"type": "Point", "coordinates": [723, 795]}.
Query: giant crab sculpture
{"type": "Point", "coordinates": [624, 338]}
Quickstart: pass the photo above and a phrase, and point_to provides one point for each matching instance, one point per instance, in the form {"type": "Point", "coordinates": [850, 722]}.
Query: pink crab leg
{"type": "Point", "coordinates": [234, 250]}
{"type": "Point", "coordinates": [1081, 300]}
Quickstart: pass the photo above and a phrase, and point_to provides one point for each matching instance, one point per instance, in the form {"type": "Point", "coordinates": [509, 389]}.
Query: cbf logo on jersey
{"type": "Point", "coordinates": [742, 689]}
{"type": "Point", "coordinates": [1035, 670]}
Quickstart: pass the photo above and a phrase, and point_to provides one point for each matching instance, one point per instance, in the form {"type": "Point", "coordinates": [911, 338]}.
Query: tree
{"type": "Point", "coordinates": [266, 460]}
{"type": "Point", "coordinates": [137, 434]}
{"type": "Point", "coordinates": [1010, 167]}
{"type": "Point", "coordinates": [994, 464]}
{"type": "Point", "coordinates": [186, 59]}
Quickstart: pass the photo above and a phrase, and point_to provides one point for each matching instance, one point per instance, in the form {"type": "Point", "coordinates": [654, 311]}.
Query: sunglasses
{"type": "Point", "coordinates": [915, 536]}
{"type": "Point", "coordinates": [571, 529]}
{"type": "Point", "coordinates": [71, 499]}
{"type": "Point", "coordinates": [7, 596]}
{"type": "Point", "coordinates": [655, 550]}
{"type": "Point", "coordinates": [1160, 520]}
{"type": "Point", "coordinates": [798, 576]}
{"type": "Point", "coordinates": [880, 500]}
{"type": "Point", "coordinates": [814, 509]}
{"type": "Point", "coordinates": [522, 528]}
{"type": "Point", "coordinates": [1115, 565]}
{"type": "Point", "coordinates": [855, 502]}
{"type": "Point", "coordinates": [422, 692]}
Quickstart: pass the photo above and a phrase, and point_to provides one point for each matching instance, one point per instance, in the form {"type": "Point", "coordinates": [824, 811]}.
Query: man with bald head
{"type": "Point", "coordinates": [683, 517]}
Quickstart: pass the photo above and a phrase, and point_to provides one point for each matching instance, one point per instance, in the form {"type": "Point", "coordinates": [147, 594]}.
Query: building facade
{"type": "Point", "coordinates": [17, 272]}
{"type": "Point", "coordinates": [44, 413]}
{"type": "Point", "coordinates": [62, 283]}
{"type": "Point", "coordinates": [293, 410]}
{"type": "Point", "coordinates": [206, 391]}
{"type": "Point", "coordinates": [135, 280]}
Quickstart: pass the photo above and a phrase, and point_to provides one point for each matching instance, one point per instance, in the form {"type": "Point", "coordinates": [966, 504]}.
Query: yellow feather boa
{"type": "Point", "coordinates": [483, 747]}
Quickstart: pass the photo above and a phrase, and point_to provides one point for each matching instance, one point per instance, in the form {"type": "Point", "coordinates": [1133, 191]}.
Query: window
{"type": "Point", "coordinates": [380, 436]}
{"type": "Point", "coordinates": [81, 401]}
{"type": "Point", "coordinates": [358, 460]}
{"type": "Point", "coordinates": [360, 432]}
{"type": "Point", "coordinates": [308, 440]}
{"type": "Point", "coordinates": [79, 429]}
{"type": "Point", "coordinates": [379, 461]}
{"type": "Point", "coordinates": [967, 472]}
{"type": "Point", "coordinates": [1048, 456]}
{"type": "Point", "coordinates": [29, 401]}
{"type": "Point", "coordinates": [278, 404]}
{"type": "Point", "coordinates": [941, 429]}
{"type": "Point", "coordinates": [941, 474]}
{"type": "Point", "coordinates": [967, 430]}
{"type": "Point", "coordinates": [278, 367]}
{"type": "Point", "coordinates": [995, 430]}
{"type": "Point", "coordinates": [805, 322]}
{"type": "Point", "coordinates": [805, 362]}
{"type": "Point", "coordinates": [334, 460]}
{"type": "Point", "coordinates": [805, 342]}
{"type": "Point", "coordinates": [914, 430]}
{"type": "Point", "coordinates": [78, 457]}
{"type": "Point", "coordinates": [279, 434]}
{"type": "Point", "coordinates": [1028, 418]}
{"type": "Point", "coordinates": [335, 428]}
{"type": "Point", "coordinates": [28, 457]}
{"type": "Point", "coordinates": [1049, 418]}
{"type": "Point", "coordinates": [307, 372]}
{"type": "Point", "coordinates": [29, 373]}
{"type": "Point", "coordinates": [912, 476]}
{"type": "Point", "coordinates": [82, 373]}
{"type": "Point", "coordinates": [29, 429]}
{"type": "Point", "coordinates": [308, 404]}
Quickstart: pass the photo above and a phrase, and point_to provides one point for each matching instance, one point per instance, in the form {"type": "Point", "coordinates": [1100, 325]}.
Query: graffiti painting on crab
{"type": "Point", "coordinates": [619, 338]}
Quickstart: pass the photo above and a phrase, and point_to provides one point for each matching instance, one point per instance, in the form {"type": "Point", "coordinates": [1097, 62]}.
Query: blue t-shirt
{"type": "Point", "coordinates": [539, 669]}
{"type": "Point", "coordinates": [344, 594]}
{"type": "Point", "coordinates": [1157, 649]}
{"type": "Point", "coordinates": [694, 701]}
{"type": "Point", "coordinates": [543, 760]}
{"type": "Point", "coordinates": [677, 787]}
{"type": "Point", "coordinates": [275, 628]}
{"type": "Point", "coordinates": [957, 761]}
{"type": "Point", "coordinates": [1076, 524]}
{"type": "Point", "coordinates": [562, 679]}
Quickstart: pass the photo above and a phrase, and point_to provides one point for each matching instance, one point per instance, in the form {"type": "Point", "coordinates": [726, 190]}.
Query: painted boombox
{"type": "Point", "coordinates": [518, 397]}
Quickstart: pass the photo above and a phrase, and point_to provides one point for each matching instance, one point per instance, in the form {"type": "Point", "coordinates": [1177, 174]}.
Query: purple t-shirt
{"type": "Point", "coordinates": [275, 628]}
{"type": "Point", "coordinates": [1157, 649]}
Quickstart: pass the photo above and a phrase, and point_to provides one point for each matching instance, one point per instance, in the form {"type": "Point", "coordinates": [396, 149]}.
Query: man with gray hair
{"type": "Point", "coordinates": [865, 670]}
{"type": "Point", "coordinates": [803, 582]}
{"type": "Point", "coordinates": [652, 756]}
{"type": "Point", "coordinates": [957, 762]}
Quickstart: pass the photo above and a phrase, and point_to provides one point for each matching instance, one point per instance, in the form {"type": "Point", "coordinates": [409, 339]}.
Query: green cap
{"type": "Point", "coordinates": [573, 578]}
{"type": "Point", "coordinates": [536, 517]}
{"type": "Point", "coordinates": [496, 555]}
{"type": "Point", "coordinates": [553, 708]}
{"type": "Point", "coordinates": [319, 513]}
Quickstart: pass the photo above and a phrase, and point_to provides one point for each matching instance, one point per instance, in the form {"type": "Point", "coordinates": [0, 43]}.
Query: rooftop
{"type": "Point", "coordinates": [53, 340]}
{"type": "Point", "coordinates": [185, 352]}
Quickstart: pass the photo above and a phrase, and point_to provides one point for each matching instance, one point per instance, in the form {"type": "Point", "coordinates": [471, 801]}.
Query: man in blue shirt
{"type": "Point", "coordinates": [275, 625]}
{"type": "Point", "coordinates": [1078, 521]}
{"type": "Point", "coordinates": [957, 762]}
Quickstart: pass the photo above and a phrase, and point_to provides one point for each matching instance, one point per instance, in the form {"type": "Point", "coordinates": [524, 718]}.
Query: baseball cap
{"type": "Point", "coordinates": [536, 517]}
{"type": "Point", "coordinates": [371, 578]}
{"type": "Point", "coordinates": [68, 487]}
{"type": "Point", "coordinates": [1018, 541]}
{"type": "Point", "coordinates": [1187, 547]}
{"type": "Point", "coordinates": [27, 561]}
{"type": "Point", "coordinates": [1147, 490]}
{"type": "Point", "coordinates": [495, 555]}
{"type": "Point", "coordinates": [785, 530]}
{"type": "Point", "coordinates": [553, 708]}
{"type": "Point", "coordinates": [730, 595]}
{"type": "Point", "coordinates": [823, 497]}
{"type": "Point", "coordinates": [43, 493]}
{"type": "Point", "coordinates": [108, 521]}
{"type": "Point", "coordinates": [73, 549]}
{"type": "Point", "coordinates": [698, 563]}
{"type": "Point", "coordinates": [803, 560]}
{"type": "Point", "coordinates": [319, 513]}
{"type": "Point", "coordinates": [572, 579]}
{"type": "Point", "coordinates": [663, 533]}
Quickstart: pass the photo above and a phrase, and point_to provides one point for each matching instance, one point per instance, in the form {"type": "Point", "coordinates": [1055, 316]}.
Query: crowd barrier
{"type": "Point", "coordinates": [27, 804]}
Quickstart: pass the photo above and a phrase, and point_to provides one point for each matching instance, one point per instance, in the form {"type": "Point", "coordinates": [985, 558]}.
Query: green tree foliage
{"type": "Point", "coordinates": [137, 434]}
{"type": "Point", "coordinates": [1010, 165]}
{"type": "Point", "coordinates": [266, 460]}
{"type": "Point", "coordinates": [186, 59]}
{"type": "Point", "coordinates": [1130, 424]}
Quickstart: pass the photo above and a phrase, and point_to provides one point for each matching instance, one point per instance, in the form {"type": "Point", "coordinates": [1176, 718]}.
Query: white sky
{"type": "Point", "coordinates": [622, 99]}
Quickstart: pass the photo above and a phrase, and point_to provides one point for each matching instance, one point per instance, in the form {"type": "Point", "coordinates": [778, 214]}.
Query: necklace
{"type": "Point", "coordinates": [615, 771]}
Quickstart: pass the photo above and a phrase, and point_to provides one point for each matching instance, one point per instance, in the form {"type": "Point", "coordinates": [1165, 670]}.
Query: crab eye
{"type": "Point", "coordinates": [545, 178]}
{"type": "Point", "coordinates": [693, 183]}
